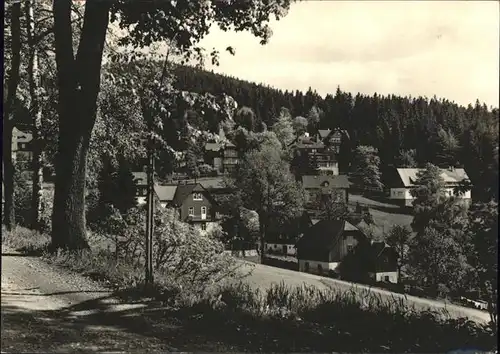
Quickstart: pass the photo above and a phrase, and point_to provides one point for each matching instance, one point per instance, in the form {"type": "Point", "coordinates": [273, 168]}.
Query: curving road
{"type": "Point", "coordinates": [262, 276]}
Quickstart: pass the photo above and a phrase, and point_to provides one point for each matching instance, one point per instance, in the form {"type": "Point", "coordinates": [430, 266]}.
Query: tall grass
{"type": "Point", "coordinates": [282, 318]}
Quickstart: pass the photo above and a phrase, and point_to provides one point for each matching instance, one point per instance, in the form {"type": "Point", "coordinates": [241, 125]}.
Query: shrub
{"type": "Point", "coordinates": [207, 170]}
{"type": "Point", "coordinates": [189, 257]}
{"type": "Point", "coordinates": [25, 240]}
{"type": "Point", "coordinates": [23, 194]}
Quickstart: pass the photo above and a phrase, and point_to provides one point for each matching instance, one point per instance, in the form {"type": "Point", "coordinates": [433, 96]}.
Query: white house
{"type": "Point", "coordinates": [140, 179]}
{"type": "Point", "coordinates": [287, 249]}
{"type": "Point", "coordinates": [407, 177]}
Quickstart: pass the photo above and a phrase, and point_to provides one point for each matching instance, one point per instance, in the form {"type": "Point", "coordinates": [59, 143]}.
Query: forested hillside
{"type": "Point", "coordinates": [417, 129]}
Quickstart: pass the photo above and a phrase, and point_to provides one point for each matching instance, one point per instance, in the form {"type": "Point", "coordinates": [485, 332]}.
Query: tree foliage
{"type": "Point", "coordinates": [399, 239]}
{"type": "Point", "coordinates": [438, 259]}
{"type": "Point", "coordinates": [366, 169]}
{"type": "Point", "coordinates": [283, 128]}
{"type": "Point", "coordinates": [245, 117]}
{"type": "Point", "coordinates": [265, 184]}
{"type": "Point", "coordinates": [331, 205]}
{"type": "Point", "coordinates": [406, 159]}
{"type": "Point", "coordinates": [181, 23]}
{"type": "Point", "coordinates": [447, 149]}
{"type": "Point", "coordinates": [388, 123]}
{"type": "Point", "coordinates": [300, 125]}
{"type": "Point", "coordinates": [428, 194]}
{"type": "Point", "coordinates": [483, 229]}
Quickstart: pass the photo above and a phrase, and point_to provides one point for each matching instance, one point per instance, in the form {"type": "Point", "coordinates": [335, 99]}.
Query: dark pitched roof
{"type": "Point", "coordinates": [325, 234]}
{"type": "Point", "coordinates": [377, 247]}
{"type": "Point", "coordinates": [185, 190]}
{"type": "Point", "coordinates": [312, 182]}
{"type": "Point", "coordinates": [182, 192]}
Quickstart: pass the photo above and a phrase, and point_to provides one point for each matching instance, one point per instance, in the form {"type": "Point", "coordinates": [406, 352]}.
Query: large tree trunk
{"type": "Point", "coordinates": [78, 84]}
{"type": "Point", "coordinates": [36, 113]}
{"type": "Point", "coordinates": [8, 122]}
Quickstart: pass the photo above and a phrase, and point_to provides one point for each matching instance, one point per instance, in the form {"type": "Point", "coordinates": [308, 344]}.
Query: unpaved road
{"type": "Point", "coordinates": [263, 276]}
{"type": "Point", "coordinates": [46, 310]}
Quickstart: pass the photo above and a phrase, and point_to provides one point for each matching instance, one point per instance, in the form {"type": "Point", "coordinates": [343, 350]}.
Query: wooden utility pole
{"type": "Point", "coordinates": [149, 279]}
{"type": "Point", "coordinates": [150, 215]}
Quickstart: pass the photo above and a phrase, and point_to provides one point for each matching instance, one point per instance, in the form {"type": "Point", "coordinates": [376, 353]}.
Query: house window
{"type": "Point", "coordinates": [350, 248]}
{"type": "Point", "coordinates": [307, 266]}
{"type": "Point", "coordinates": [203, 211]}
{"type": "Point", "coordinates": [197, 196]}
{"type": "Point", "coordinates": [386, 278]}
{"type": "Point", "coordinates": [204, 226]}
{"type": "Point", "coordinates": [191, 211]}
{"type": "Point", "coordinates": [320, 269]}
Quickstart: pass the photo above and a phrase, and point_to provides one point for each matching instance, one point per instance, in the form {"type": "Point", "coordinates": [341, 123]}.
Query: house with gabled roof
{"type": "Point", "coordinates": [404, 180]}
{"type": "Point", "coordinates": [325, 244]}
{"type": "Point", "coordinates": [371, 261]}
{"type": "Point", "coordinates": [383, 263]}
{"type": "Point", "coordinates": [222, 155]}
{"type": "Point", "coordinates": [141, 182]}
{"type": "Point", "coordinates": [193, 203]}
{"type": "Point", "coordinates": [317, 185]}
{"type": "Point", "coordinates": [319, 152]}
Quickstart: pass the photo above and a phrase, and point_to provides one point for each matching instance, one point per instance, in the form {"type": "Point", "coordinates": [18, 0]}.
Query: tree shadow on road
{"type": "Point", "coordinates": [140, 324]}
{"type": "Point", "coordinates": [97, 325]}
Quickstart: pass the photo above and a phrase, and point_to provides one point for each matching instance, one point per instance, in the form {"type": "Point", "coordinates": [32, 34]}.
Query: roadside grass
{"type": "Point", "coordinates": [280, 318]}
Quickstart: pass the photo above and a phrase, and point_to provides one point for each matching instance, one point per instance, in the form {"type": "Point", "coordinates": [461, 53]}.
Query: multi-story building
{"type": "Point", "coordinates": [317, 154]}
{"type": "Point", "coordinates": [223, 156]}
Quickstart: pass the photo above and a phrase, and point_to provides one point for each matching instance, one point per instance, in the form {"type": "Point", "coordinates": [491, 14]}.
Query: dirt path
{"type": "Point", "coordinates": [45, 309]}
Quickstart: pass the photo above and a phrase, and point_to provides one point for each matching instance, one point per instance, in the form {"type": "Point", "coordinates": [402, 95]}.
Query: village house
{"type": "Point", "coordinates": [317, 187]}
{"type": "Point", "coordinates": [141, 182]}
{"type": "Point", "coordinates": [325, 244]}
{"type": "Point", "coordinates": [317, 154]}
{"type": "Point", "coordinates": [280, 248]}
{"type": "Point", "coordinates": [370, 262]}
{"type": "Point", "coordinates": [192, 202]}
{"type": "Point", "coordinates": [22, 151]}
{"type": "Point", "coordinates": [383, 263]}
{"type": "Point", "coordinates": [21, 146]}
{"type": "Point", "coordinates": [281, 239]}
{"type": "Point", "coordinates": [222, 156]}
{"type": "Point", "coordinates": [404, 182]}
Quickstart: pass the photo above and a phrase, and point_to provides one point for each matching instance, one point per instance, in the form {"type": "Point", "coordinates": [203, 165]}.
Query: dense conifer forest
{"type": "Point", "coordinates": [421, 129]}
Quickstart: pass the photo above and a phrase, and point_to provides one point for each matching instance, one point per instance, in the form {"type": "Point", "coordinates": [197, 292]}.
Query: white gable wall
{"type": "Point", "coordinates": [309, 266]}
{"type": "Point", "coordinates": [405, 194]}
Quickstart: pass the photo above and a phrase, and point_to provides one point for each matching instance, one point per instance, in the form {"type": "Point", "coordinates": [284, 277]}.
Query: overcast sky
{"type": "Point", "coordinates": [449, 49]}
